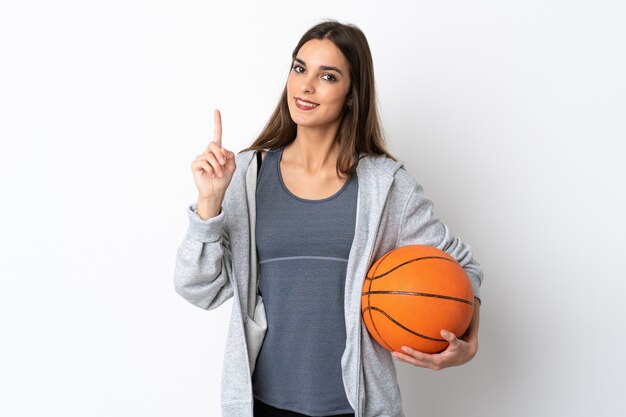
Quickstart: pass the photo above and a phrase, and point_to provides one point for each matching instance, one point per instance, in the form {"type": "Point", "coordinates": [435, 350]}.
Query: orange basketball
{"type": "Point", "coordinates": [411, 293]}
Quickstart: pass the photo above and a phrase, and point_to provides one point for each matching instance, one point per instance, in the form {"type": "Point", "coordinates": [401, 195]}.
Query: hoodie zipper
{"type": "Point", "coordinates": [358, 367]}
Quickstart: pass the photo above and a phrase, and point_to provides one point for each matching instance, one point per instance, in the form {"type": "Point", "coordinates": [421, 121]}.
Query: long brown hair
{"type": "Point", "coordinates": [360, 132]}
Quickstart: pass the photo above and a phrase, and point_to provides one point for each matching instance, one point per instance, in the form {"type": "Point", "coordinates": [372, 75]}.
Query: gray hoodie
{"type": "Point", "coordinates": [217, 260]}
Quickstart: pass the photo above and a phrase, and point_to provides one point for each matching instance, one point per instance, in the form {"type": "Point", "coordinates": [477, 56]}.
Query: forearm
{"type": "Point", "coordinates": [471, 335]}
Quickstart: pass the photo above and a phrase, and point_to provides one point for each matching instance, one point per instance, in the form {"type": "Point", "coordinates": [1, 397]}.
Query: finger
{"type": "Point", "coordinates": [217, 127]}
{"type": "Point", "coordinates": [229, 154]}
{"type": "Point", "coordinates": [220, 153]}
{"type": "Point", "coordinates": [202, 165]}
{"type": "Point", "coordinates": [208, 168]}
{"type": "Point", "coordinates": [434, 361]}
{"type": "Point", "coordinates": [202, 162]}
{"type": "Point", "coordinates": [198, 166]}
{"type": "Point", "coordinates": [214, 163]}
{"type": "Point", "coordinates": [450, 337]}
{"type": "Point", "coordinates": [415, 361]}
{"type": "Point", "coordinates": [421, 356]}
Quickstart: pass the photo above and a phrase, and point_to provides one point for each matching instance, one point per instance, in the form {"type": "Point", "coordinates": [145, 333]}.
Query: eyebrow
{"type": "Point", "coordinates": [323, 67]}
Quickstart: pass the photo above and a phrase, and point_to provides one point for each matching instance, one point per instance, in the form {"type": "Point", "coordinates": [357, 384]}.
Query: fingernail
{"type": "Point", "coordinates": [404, 348]}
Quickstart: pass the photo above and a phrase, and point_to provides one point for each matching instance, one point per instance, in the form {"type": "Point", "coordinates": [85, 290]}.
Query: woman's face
{"type": "Point", "coordinates": [320, 75]}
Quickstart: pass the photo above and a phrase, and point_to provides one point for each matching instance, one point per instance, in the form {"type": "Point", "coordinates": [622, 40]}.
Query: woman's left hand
{"type": "Point", "coordinates": [458, 352]}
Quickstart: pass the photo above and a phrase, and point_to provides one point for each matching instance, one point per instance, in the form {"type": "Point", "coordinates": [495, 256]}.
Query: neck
{"type": "Point", "coordinates": [313, 150]}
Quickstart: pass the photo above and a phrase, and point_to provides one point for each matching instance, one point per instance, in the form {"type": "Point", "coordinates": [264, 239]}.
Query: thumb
{"type": "Point", "coordinates": [449, 336]}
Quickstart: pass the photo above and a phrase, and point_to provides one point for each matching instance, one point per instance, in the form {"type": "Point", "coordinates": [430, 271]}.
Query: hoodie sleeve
{"type": "Point", "coordinates": [421, 226]}
{"type": "Point", "coordinates": [202, 274]}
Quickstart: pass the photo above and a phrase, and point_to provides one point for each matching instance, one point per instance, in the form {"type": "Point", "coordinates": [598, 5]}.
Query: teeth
{"type": "Point", "coordinates": [302, 103]}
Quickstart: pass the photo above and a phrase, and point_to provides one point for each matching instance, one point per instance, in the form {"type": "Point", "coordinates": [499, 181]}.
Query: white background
{"type": "Point", "coordinates": [510, 114]}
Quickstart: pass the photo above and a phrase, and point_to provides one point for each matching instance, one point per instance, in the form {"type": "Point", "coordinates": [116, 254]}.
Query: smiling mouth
{"type": "Point", "coordinates": [303, 105]}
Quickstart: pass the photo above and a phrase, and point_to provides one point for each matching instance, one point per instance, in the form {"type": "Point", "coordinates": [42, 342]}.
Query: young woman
{"type": "Point", "coordinates": [292, 241]}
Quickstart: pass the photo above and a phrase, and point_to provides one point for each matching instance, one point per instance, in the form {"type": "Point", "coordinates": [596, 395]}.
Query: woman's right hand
{"type": "Point", "coordinates": [213, 169]}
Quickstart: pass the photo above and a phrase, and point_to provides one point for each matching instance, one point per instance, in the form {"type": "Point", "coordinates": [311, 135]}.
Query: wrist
{"type": "Point", "coordinates": [208, 207]}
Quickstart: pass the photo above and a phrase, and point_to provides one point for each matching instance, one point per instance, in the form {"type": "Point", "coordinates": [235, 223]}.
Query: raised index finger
{"type": "Point", "coordinates": [217, 127]}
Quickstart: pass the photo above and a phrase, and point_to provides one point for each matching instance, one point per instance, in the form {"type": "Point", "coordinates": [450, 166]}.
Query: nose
{"type": "Point", "coordinates": [306, 84]}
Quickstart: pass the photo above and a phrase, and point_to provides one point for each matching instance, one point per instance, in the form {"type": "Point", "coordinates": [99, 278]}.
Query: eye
{"type": "Point", "coordinates": [331, 78]}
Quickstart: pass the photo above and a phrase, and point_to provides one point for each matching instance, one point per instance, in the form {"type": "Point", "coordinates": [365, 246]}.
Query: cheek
{"type": "Point", "coordinates": [290, 91]}
{"type": "Point", "coordinates": [290, 84]}
{"type": "Point", "coordinates": [338, 95]}
{"type": "Point", "coordinates": [336, 100]}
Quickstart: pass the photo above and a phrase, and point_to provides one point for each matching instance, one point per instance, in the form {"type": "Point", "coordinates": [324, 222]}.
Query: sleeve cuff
{"type": "Point", "coordinates": [209, 230]}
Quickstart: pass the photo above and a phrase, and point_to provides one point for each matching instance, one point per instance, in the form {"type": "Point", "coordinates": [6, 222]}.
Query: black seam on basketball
{"type": "Point", "coordinates": [404, 327]}
{"type": "Point", "coordinates": [420, 294]}
{"type": "Point", "coordinates": [408, 262]}
{"type": "Point", "coordinates": [368, 302]}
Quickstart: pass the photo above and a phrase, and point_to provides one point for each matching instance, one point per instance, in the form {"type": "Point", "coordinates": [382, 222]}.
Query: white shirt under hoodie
{"type": "Point", "coordinates": [217, 260]}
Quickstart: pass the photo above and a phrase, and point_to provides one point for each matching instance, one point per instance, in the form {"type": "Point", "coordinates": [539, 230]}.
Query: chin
{"type": "Point", "coordinates": [301, 119]}
{"type": "Point", "coordinates": [305, 120]}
